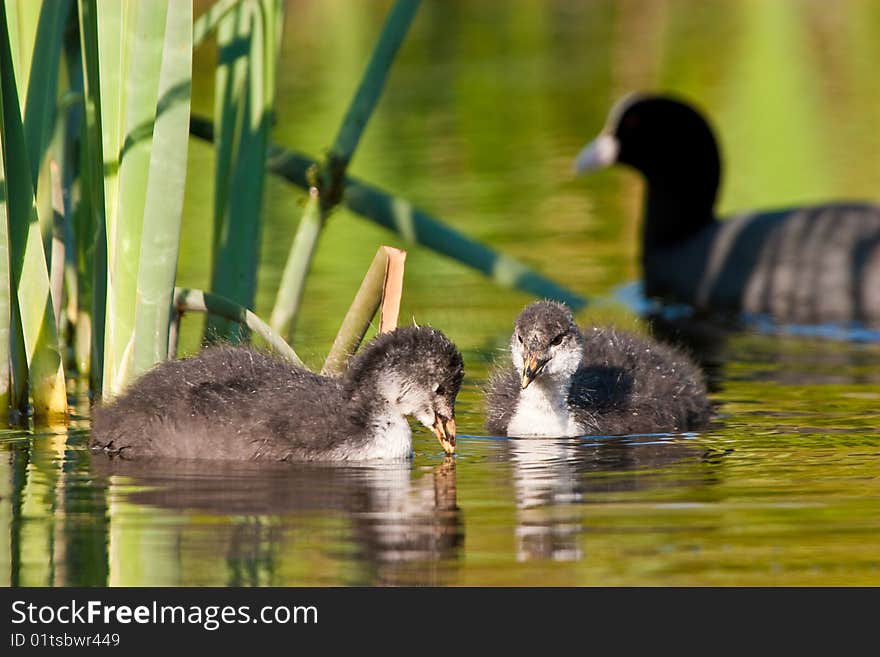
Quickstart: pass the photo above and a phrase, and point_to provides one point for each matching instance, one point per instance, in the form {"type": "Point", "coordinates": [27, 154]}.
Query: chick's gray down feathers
{"type": "Point", "coordinates": [626, 383]}
{"type": "Point", "coordinates": [237, 402]}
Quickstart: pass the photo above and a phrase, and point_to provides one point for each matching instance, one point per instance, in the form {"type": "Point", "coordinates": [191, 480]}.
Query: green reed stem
{"type": "Point", "coordinates": [32, 316]}
{"type": "Point", "coordinates": [329, 176]}
{"type": "Point", "coordinates": [248, 40]}
{"type": "Point", "coordinates": [91, 225]}
{"type": "Point", "coordinates": [414, 225]}
{"type": "Point", "coordinates": [163, 208]}
{"type": "Point", "coordinates": [188, 300]}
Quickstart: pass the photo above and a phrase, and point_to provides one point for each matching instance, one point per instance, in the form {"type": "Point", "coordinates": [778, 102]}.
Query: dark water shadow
{"type": "Point", "coordinates": [795, 355]}
{"type": "Point", "coordinates": [803, 354]}
{"type": "Point", "coordinates": [398, 529]}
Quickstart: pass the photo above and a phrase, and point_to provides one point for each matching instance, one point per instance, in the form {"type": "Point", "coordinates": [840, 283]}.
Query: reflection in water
{"type": "Point", "coordinates": [815, 358]}
{"type": "Point", "coordinates": [547, 488]}
{"type": "Point", "coordinates": [554, 477]}
{"type": "Point", "coordinates": [821, 354]}
{"type": "Point", "coordinates": [52, 514]}
{"type": "Point", "coordinates": [393, 528]}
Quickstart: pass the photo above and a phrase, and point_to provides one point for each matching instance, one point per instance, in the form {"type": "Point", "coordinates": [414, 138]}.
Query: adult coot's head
{"type": "Point", "coordinates": [546, 342]}
{"type": "Point", "coordinates": [651, 133]}
{"type": "Point", "coordinates": [418, 371]}
{"type": "Point", "coordinates": [669, 142]}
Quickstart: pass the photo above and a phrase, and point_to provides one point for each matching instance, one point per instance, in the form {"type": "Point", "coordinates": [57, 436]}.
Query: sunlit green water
{"type": "Point", "coordinates": [486, 106]}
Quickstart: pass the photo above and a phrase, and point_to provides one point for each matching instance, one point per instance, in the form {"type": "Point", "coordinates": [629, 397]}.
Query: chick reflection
{"type": "Point", "coordinates": [376, 524]}
{"type": "Point", "coordinates": [554, 477]}
{"type": "Point", "coordinates": [547, 490]}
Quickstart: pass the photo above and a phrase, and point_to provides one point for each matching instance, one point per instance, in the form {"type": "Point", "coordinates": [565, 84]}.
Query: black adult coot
{"type": "Point", "coordinates": [603, 381]}
{"type": "Point", "coordinates": [812, 264]}
{"type": "Point", "coordinates": [234, 402]}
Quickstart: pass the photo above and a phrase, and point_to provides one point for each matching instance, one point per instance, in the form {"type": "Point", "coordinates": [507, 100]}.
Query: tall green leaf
{"type": "Point", "coordinates": [91, 224]}
{"type": "Point", "coordinates": [164, 204]}
{"type": "Point", "coordinates": [29, 275]}
{"type": "Point", "coordinates": [40, 45]}
{"type": "Point", "coordinates": [6, 375]}
{"type": "Point", "coordinates": [248, 40]}
{"type": "Point", "coordinates": [23, 18]}
{"type": "Point", "coordinates": [131, 42]}
{"type": "Point", "coordinates": [42, 88]}
{"type": "Point", "coordinates": [329, 177]}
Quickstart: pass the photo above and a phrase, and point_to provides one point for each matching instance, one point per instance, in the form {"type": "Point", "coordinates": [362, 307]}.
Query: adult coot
{"type": "Point", "coordinates": [813, 264]}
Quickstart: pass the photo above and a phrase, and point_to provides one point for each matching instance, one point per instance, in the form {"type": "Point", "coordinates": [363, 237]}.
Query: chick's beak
{"type": "Point", "coordinates": [444, 429]}
{"type": "Point", "coordinates": [532, 366]}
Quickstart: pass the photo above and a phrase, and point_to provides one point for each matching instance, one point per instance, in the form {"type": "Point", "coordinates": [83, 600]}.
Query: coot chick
{"type": "Point", "coordinates": [603, 381]}
{"type": "Point", "coordinates": [235, 402]}
{"type": "Point", "coordinates": [814, 264]}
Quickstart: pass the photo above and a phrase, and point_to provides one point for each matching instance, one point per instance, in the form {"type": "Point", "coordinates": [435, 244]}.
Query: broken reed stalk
{"type": "Point", "coordinates": [417, 226]}
{"type": "Point", "coordinates": [190, 300]}
{"type": "Point", "coordinates": [381, 290]}
{"type": "Point", "coordinates": [392, 289]}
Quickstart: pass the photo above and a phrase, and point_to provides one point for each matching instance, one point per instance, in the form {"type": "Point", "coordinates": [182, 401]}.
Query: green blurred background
{"type": "Point", "coordinates": [488, 102]}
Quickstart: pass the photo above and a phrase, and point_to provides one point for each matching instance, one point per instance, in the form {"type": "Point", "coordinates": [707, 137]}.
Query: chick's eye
{"type": "Point", "coordinates": [519, 337]}
{"type": "Point", "coordinates": [439, 390]}
{"type": "Point", "coordinates": [557, 340]}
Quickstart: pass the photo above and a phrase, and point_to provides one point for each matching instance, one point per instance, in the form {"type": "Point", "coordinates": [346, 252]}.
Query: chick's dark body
{"type": "Point", "coordinates": [624, 384]}
{"type": "Point", "coordinates": [235, 402]}
{"type": "Point", "coordinates": [228, 403]}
